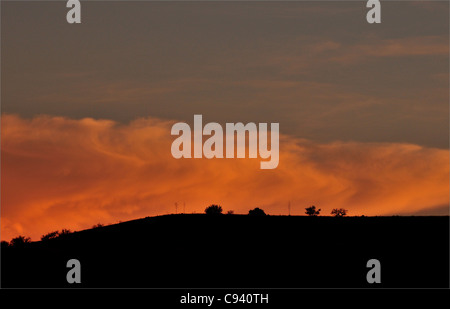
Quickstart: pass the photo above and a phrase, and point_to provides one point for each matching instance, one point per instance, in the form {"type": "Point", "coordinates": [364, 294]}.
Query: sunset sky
{"type": "Point", "coordinates": [87, 109]}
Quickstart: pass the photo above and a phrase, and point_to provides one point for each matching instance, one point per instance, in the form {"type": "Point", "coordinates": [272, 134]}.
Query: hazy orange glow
{"type": "Point", "coordinates": [64, 173]}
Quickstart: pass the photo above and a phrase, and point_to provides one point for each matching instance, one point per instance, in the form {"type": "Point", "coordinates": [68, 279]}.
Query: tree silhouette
{"type": "Point", "coordinates": [4, 244]}
{"type": "Point", "coordinates": [51, 235]}
{"type": "Point", "coordinates": [20, 241]}
{"type": "Point", "coordinates": [230, 212]}
{"type": "Point", "coordinates": [213, 210]}
{"type": "Point", "coordinates": [256, 212]}
{"type": "Point", "coordinates": [311, 211]}
{"type": "Point", "coordinates": [339, 212]}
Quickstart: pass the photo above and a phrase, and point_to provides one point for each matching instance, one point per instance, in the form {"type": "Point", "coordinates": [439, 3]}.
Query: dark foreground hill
{"type": "Point", "coordinates": [237, 251]}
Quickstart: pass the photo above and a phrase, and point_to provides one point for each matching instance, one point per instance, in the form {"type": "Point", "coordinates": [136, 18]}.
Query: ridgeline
{"type": "Point", "coordinates": [239, 251]}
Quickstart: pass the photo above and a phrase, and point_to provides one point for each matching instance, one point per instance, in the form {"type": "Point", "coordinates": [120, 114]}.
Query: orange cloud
{"type": "Point", "coordinates": [434, 45]}
{"type": "Point", "coordinates": [64, 173]}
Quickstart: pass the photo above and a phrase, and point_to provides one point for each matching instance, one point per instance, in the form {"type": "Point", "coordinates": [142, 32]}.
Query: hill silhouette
{"type": "Point", "coordinates": [239, 251]}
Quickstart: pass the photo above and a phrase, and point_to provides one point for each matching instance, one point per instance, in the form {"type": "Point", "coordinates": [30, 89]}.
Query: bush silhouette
{"type": "Point", "coordinates": [339, 212]}
{"type": "Point", "coordinates": [230, 212]}
{"type": "Point", "coordinates": [213, 210]}
{"type": "Point", "coordinates": [51, 235]}
{"type": "Point", "coordinates": [256, 212]}
{"type": "Point", "coordinates": [65, 232]}
{"type": "Point", "coordinates": [20, 241]}
{"type": "Point", "coordinates": [311, 211]}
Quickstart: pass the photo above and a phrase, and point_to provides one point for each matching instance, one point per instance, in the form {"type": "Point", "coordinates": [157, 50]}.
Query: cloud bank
{"type": "Point", "coordinates": [64, 173]}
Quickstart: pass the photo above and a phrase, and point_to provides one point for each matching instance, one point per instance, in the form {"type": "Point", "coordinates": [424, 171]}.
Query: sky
{"type": "Point", "coordinates": [87, 109]}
